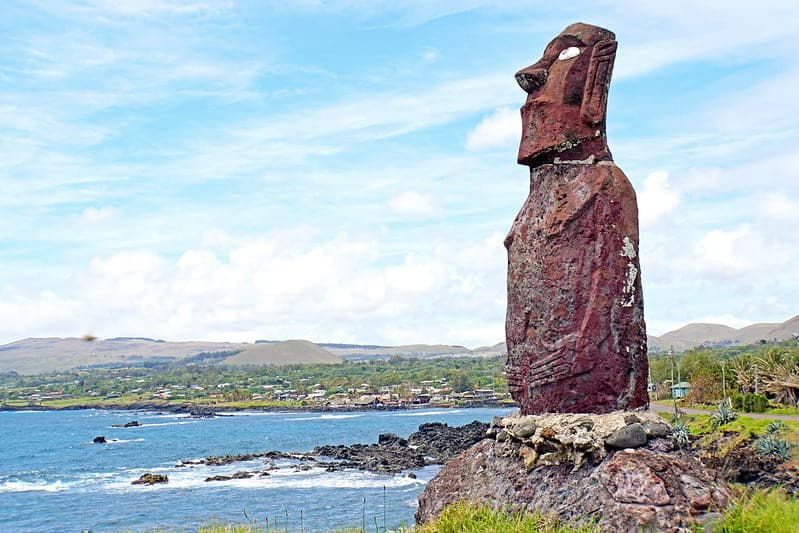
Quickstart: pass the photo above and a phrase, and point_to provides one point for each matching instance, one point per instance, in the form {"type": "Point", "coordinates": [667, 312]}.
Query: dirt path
{"type": "Point", "coordinates": [660, 408]}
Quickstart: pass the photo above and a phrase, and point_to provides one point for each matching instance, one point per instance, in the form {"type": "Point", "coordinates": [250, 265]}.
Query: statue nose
{"type": "Point", "coordinates": [531, 79]}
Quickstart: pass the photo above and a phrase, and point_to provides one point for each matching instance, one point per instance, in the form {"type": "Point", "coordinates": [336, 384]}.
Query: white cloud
{"type": "Point", "coordinates": [738, 30]}
{"type": "Point", "coordinates": [412, 203]}
{"type": "Point", "coordinates": [656, 198]}
{"type": "Point", "coordinates": [279, 286]}
{"type": "Point", "coordinates": [501, 128]}
{"type": "Point", "coordinates": [779, 206]}
{"type": "Point", "coordinates": [144, 8]}
{"type": "Point", "coordinates": [430, 55]}
{"type": "Point", "coordinates": [726, 320]}
{"type": "Point", "coordinates": [741, 257]}
{"type": "Point", "coordinates": [96, 215]}
{"type": "Point", "coordinates": [722, 251]}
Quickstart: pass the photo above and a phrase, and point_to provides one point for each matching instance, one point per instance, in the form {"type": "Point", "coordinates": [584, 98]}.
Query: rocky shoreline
{"type": "Point", "coordinates": [432, 444]}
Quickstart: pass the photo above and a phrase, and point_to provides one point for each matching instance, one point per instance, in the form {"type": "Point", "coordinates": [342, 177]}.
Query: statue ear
{"type": "Point", "coordinates": [595, 93]}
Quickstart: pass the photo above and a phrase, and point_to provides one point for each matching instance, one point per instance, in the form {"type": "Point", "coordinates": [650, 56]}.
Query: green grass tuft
{"type": "Point", "coordinates": [770, 511]}
{"type": "Point", "coordinates": [470, 518]}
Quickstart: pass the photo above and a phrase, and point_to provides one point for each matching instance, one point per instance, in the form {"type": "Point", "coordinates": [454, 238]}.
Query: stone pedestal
{"type": "Point", "coordinates": [616, 470]}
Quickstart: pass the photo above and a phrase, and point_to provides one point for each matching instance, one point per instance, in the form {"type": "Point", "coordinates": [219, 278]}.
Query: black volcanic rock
{"type": "Point", "coordinates": [150, 479]}
{"type": "Point", "coordinates": [131, 424]}
{"type": "Point", "coordinates": [433, 443]}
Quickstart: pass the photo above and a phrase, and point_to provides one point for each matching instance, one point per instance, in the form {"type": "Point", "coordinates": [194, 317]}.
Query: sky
{"type": "Point", "coordinates": [346, 171]}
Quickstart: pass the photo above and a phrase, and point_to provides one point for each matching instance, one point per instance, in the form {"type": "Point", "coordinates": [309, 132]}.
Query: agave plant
{"type": "Point", "coordinates": [772, 445]}
{"type": "Point", "coordinates": [724, 415]}
{"type": "Point", "coordinates": [774, 427]}
{"type": "Point", "coordinates": [679, 432]}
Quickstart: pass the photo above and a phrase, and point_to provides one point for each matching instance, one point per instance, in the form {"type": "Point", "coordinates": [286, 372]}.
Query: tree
{"type": "Point", "coordinates": [461, 382]}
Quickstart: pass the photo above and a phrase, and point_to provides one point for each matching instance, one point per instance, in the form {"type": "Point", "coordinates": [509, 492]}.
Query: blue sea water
{"type": "Point", "coordinates": [53, 478]}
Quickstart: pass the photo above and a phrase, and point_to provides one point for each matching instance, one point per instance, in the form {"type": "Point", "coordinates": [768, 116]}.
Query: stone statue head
{"type": "Point", "coordinates": [567, 91]}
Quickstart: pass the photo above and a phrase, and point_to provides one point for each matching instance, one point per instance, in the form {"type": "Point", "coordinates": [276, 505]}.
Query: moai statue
{"type": "Point", "coordinates": [575, 322]}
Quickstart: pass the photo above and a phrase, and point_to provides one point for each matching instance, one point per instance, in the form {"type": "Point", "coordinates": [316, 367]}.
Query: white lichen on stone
{"type": "Point", "coordinates": [590, 160]}
{"type": "Point", "coordinates": [628, 251]}
{"type": "Point", "coordinates": [553, 439]}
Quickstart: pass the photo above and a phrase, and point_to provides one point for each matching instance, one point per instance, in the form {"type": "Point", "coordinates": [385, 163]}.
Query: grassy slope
{"type": "Point", "coordinates": [283, 353]}
{"type": "Point", "coordinates": [761, 511]}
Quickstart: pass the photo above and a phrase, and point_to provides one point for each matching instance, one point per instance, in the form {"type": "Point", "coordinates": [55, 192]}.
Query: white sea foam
{"type": "Point", "coordinates": [325, 417]}
{"type": "Point", "coordinates": [428, 413]}
{"type": "Point", "coordinates": [193, 421]}
{"type": "Point", "coordinates": [34, 486]}
{"type": "Point", "coordinates": [252, 413]}
{"type": "Point", "coordinates": [284, 478]}
{"type": "Point", "coordinates": [122, 441]}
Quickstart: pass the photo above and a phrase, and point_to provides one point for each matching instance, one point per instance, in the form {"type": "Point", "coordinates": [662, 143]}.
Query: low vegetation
{"type": "Point", "coordinates": [751, 511]}
{"type": "Point", "coordinates": [770, 511]}
{"type": "Point", "coordinates": [756, 378]}
{"type": "Point", "coordinates": [470, 518]}
{"type": "Point", "coordinates": [407, 380]}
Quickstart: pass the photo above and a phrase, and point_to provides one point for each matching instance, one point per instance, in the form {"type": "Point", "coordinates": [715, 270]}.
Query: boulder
{"type": "Point", "coordinates": [99, 440]}
{"type": "Point", "coordinates": [632, 436]}
{"type": "Point", "coordinates": [131, 424]}
{"type": "Point", "coordinates": [243, 474]}
{"type": "Point", "coordinates": [150, 479]}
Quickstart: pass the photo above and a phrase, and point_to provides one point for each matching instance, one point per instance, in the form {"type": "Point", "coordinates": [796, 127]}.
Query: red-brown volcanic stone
{"type": "Point", "coordinates": [575, 323]}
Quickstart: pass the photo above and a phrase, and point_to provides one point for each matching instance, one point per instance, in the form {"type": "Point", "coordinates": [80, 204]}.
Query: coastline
{"type": "Point", "coordinates": [207, 410]}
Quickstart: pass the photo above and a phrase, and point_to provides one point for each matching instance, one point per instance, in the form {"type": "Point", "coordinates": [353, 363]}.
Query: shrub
{"type": "Point", "coordinates": [705, 388]}
{"type": "Point", "coordinates": [750, 403]}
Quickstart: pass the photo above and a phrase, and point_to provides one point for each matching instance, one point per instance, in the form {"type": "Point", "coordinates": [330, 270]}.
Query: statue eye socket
{"type": "Point", "coordinates": [569, 53]}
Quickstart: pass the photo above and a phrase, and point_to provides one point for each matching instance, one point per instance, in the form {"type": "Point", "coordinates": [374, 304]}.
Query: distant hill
{"type": "Point", "coordinates": [31, 356]}
{"type": "Point", "coordinates": [496, 350]}
{"type": "Point", "coordinates": [364, 352]}
{"type": "Point", "coordinates": [37, 355]}
{"type": "Point", "coordinates": [290, 352]}
{"type": "Point", "coordinates": [787, 329]}
{"type": "Point", "coordinates": [696, 334]}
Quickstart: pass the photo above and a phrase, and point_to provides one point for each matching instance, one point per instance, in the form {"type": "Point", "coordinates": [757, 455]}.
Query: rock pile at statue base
{"type": "Point", "coordinates": [617, 470]}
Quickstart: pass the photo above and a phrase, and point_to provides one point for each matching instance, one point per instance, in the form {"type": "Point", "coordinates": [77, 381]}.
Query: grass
{"type": "Point", "coordinates": [240, 528]}
{"type": "Point", "coordinates": [470, 518]}
{"type": "Point", "coordinates": [751, 511]}
{"type": "Point", "coordinates": [711, 407]}
{"type": "Point", "coordinates": [770, 511]}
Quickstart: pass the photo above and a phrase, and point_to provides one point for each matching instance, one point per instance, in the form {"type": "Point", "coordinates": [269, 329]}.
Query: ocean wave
{"type": "Point", "coordinates": [122, 441]}
{"type": "Point", "coordinates": [192, 421]}
{"type": "Point", "coordinates": [253, 413]}
{"type": "Point", "coordinates": [33, 486]}
{"type": "Point", "coordinates": [429, 413]}
{"type": "Point", "coordinates": [325, 417]}
{"type": "Point", "coordinates": [284, 478]}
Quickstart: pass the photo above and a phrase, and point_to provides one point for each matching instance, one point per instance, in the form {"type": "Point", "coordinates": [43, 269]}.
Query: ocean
{"type": "Point", "coordinates": [54, 478]}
